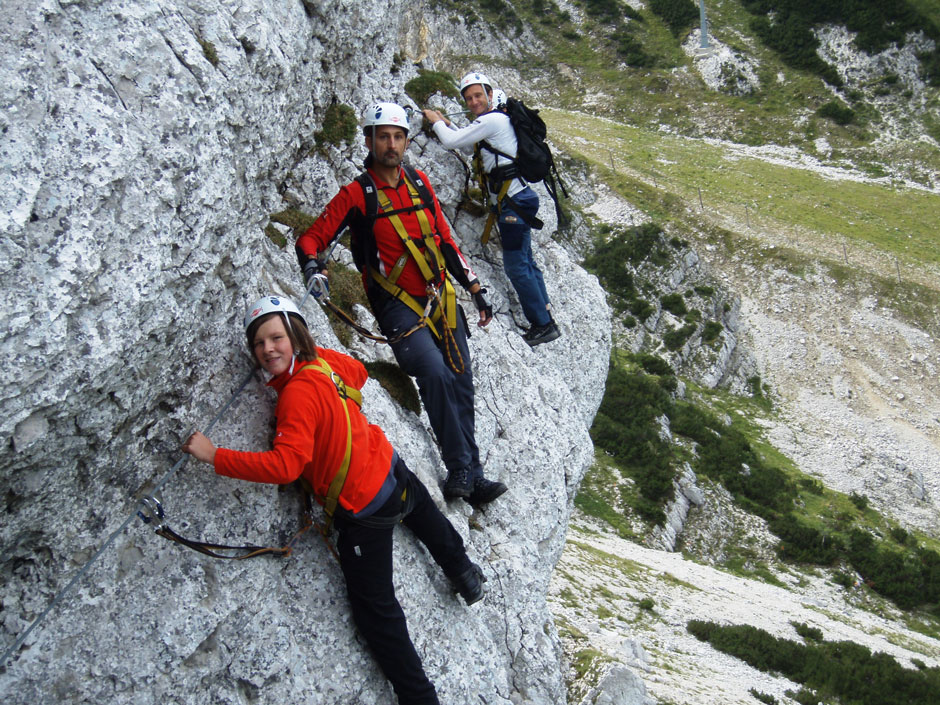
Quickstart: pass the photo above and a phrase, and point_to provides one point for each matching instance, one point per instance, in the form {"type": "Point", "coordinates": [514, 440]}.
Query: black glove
{"type": "Point", "coordinates": [482, 305]}
{"type": "Point", "coordinates": [315, 280]}
{"type": "Point", "coordinates": [313, 266]}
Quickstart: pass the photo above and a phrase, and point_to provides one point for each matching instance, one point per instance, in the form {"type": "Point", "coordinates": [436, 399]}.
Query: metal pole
{"type": "Point", "coordinates": [701, 12]}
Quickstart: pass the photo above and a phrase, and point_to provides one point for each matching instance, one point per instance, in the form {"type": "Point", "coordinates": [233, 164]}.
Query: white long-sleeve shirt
{"type": "Point", "coordinates": [496, 129]}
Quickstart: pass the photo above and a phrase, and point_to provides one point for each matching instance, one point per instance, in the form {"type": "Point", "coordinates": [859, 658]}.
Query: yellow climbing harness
{"type": "Point", "coordinates": [339, 479]}
{"type": "Point", "coordinates": [430, 263]}
{"type": "Point", "coordinates": [484, 188]}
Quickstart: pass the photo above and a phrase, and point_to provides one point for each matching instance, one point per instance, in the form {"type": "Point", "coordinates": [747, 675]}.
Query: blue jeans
{"type": "Point", "coordinates": [518, 261]}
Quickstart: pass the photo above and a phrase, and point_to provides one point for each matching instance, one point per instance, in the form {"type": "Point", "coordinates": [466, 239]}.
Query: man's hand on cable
{"type": "Point", "coordinates": [314, 270]}
{"type": "Point", "coordinates": [433, 116]}
{"type": "Point", "coordinates": [485, 309]}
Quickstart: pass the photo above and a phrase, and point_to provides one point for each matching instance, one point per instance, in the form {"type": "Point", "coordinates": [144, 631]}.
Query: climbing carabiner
{"type": "Point", "coordinates": [151, 512]}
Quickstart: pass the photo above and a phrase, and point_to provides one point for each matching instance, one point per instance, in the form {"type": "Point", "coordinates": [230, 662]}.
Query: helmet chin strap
{"type": "Point", "coordinates": [293, 357]}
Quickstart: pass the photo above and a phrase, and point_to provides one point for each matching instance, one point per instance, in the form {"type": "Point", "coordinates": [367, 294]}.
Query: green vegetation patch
{"type": "Point", "coordinates": [837, 112]}
{"type": "Point", "coordinates": [339, 126]}
{"type": "Point", "coordinates": [617, 252]}
{"type": "Point", "coordinates": [676, 338]}
{"type": "Point", "coordinates": [625, 427]}
{"type": "Point", "coordinates": [774, 198]}
{"type": "Point", "coordinates": [725, 454]}
{"type": "Point", "coordinates": [345, 291]}
{"type": "Point", "coordinates": [275, 235]}
{"type": "Point", "coordinates": [427, 83]}
{"type": "Point", "coordinates": [295, 219]}
{"type": "Point", "coordinates": [602, 494]}
{"type": "Point", "coordinates": [209, 51]}
{"type": "Point", "coordinates": [835, 670]}
{"type": "Point", "coordinates": [678, 15]}
{"type": "Point", "coordinates": [814, 525]}
{"type": "Point", "coordinates": [786, 26]}
{"type": "Point", "coordinates": [910, 578]}
{"type": "Point", "coordinates": [398, 384]}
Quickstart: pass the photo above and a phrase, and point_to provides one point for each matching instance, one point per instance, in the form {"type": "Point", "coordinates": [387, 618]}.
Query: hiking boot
{"type": "Point", "coordinates": [470, 584]}
{"type": "Point", "coordinates": [458, 483]}
{"type": "Point", "coordinates": [485, 491]}
{"type": "Point", "coordinates": [536, 335]}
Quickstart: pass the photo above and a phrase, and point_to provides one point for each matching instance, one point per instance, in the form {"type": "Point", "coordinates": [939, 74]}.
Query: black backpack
{"type": "Point", "coordinates": [533, 161]}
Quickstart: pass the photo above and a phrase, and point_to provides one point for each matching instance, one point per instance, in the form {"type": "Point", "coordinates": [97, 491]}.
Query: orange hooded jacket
{"type": "Point", "coordinates": [310, 439]}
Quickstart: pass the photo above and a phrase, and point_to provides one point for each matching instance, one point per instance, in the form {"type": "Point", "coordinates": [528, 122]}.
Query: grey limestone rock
{"type": "Point", "coordinates": [144, 145]}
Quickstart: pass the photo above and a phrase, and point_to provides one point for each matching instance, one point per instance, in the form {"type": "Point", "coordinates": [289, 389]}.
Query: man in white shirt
{"type": "Point", "coordinates": [493, 132]}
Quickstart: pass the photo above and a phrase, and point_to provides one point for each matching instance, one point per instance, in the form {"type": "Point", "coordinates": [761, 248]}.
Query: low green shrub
{"type": "Point", "coordinates": [805, 544]}
{"type": "Point", "coordinates": [674, 303]}
{"type": "Point", "coordinates": [711, 331]}
{"type": "Point", "coordinates": [678, 15]}
{"type": "Point", "coordinates": [837, 112]}
{"type": "Point", "coordinates": [653, 364]}
{"type": "Point", "coordinates": [345, 291]}
{"type": "Point", "coordinates": [676, 338]}
{"type": "Point", "coordinates": [641, 308]}
{"type": "Point", "coordinates": [398, 384]}
{"type": "Point", "coordinates": [209, 51]}
{"type": "Point", "coordinates": [909, 578]}
{"type": "Point", "coordinates": [626, 428]}
{"type": "Point", "coordinates": [339, 126]}
{"type": "Point", "coordinates": [427, 83]}
{"type": "Point", "coordinates": [295, 219]}
{"type": "Point", "coordinates": [859, 500]}
{"type": "Point", "coordinates": [828, 671]}
{"type": "Point", "coordinates": [275, 236]}
{"type": "Point", "coordinates": [725, 454]}
{"type": "Point", "coordinates": [807, 632]}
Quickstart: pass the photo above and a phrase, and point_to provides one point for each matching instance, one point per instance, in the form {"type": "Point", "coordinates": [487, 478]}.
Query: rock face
{"type": "Point", "coordinates": [867, 73]}
{"type": "Point", "coordinates": [721, 67]}
{"type": "Point", "coordinates": [144, 146]}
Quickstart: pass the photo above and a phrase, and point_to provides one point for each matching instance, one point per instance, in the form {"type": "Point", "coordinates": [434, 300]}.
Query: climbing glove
{"type": "Point", "coordinates": [314, 278]}
{"type": "Point", "coordinates": [483, 306]}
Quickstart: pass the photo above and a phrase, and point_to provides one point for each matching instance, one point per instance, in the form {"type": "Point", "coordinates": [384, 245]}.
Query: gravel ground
{"type": "Point", "coordinates": [601, 579]}
{"type": "Point", "coordinates": [857, 388]}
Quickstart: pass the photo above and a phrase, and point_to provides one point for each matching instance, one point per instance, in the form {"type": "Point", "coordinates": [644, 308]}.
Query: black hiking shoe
{"type": "Point", "coordinates": [458, 483]}
{"type": "Point", "coordinates": [485, 491]}
{"type": "Point", "coordinates": [470, 584]}
{"type": "Point", "coordinates": [536, 335]}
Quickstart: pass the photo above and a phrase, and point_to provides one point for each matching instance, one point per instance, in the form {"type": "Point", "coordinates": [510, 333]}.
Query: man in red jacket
{"type": "Point", "coordinates": [402, 245]}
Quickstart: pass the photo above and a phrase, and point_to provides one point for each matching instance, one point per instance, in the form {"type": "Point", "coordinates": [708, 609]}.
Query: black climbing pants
{"type": "Point", "coordinates": [366, 557]}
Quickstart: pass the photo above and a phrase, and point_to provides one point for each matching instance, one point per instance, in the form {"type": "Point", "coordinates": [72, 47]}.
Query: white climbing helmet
{"type": "Point", "coordinates": [272, 304]}
{"type": "Point", "coordinates": [499, 98]}
{"type": "Point", "coordinates": [471, 79]}
{"type": "Point", "coordinates": [385, 114]}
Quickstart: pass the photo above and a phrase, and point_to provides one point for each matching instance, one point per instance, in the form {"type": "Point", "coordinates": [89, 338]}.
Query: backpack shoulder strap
{"type": "Point", "coordinates": [423, 191]}
{"type": "Point", "coordinates": [369, 193]}
{"type": "Point", "coordinates": [490, 148]}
